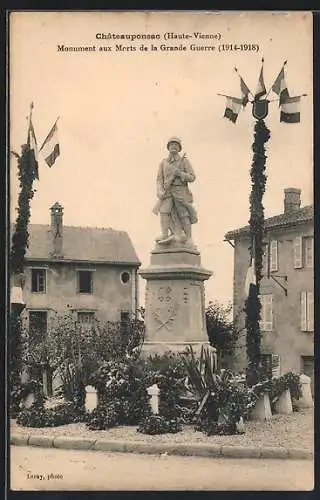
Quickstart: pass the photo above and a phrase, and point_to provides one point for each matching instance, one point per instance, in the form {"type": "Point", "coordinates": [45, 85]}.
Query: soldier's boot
{"type": "Point", "coordinates": [164, 223]}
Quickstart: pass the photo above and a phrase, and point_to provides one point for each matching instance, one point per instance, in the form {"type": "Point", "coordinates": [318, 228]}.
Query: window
{"type": "Point", "coordinates": [38, 324]}
{"type": "Point", "coordinates": [307, 311]}
{"type": "Point", "coordinates": [266, 321]}
{"type": "Point", "coordinates": [84, 281]}
{"type": "Point", "coordinates": [125, 277]}
{"type": "Point", "coordinates": [124, 321]}
{"type": "Point", "coordinates": [308, 252]}
{"type": "Point", "coordinates": [270, 364]}
{"type": "Point", "coordinates": [303, 252]}
{"type": "Point", "coordinates": [38, 280]}
{"type": "Point", "coordinates": [124, 316]}
{"type": "Point", "coordinates": [86, 318]}
{"type": "Point", "coordinates": [273, 255]}
{"type": "Point", "coordinates": [270, 257]}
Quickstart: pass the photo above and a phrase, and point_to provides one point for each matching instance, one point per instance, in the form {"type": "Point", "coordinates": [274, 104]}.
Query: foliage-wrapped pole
{"type": "Point", "coordinates": [253, 306]}
{"type": "Point", "coordinates": [20, 237]}
{"type": "Point", "coordinates": [27, 172]}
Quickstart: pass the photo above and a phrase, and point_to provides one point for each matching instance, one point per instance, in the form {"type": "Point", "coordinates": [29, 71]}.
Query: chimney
{"type": "Point", "coordinates": [57, 229]}
{"type": "Point", "coordinates": [292, 200]}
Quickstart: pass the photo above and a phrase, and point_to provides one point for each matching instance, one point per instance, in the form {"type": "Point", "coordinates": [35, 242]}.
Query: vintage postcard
{"type": "Point", "coordinates": [161, 250]}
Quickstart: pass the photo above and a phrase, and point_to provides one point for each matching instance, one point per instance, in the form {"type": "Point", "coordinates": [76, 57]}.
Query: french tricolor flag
{"type": "Point", "coordinates": [290, 110]}
{"type": "Point", "coordinates": [51, 148]}
{"type": "Point", "coordinates": [261, 88]}
{"type": "Point", "coordinates": [251, 280]}
{"type": "Point", "coordinates": [280, 87]}
{"type": "Point", "coordinates": [233, 106]}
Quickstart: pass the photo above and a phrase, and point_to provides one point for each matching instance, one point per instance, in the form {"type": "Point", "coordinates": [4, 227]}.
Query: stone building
{"type": "Point", "coordinates": [286, 290]}
{"type": "Point", "coordinates": [89, 271]}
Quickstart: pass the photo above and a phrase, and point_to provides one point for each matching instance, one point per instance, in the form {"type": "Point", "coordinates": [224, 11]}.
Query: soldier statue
{"type": "Point", "coordinates": [174, 205]}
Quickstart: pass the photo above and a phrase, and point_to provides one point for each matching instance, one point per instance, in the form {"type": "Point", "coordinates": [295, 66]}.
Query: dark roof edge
{"type": "Point", "coordinates": [245, 230]}
{"type": "Point", "coordinates": [60, 260]}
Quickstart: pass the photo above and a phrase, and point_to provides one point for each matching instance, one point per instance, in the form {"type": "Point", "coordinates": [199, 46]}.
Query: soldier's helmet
{"type": "Point", "coordinates": [174, 139]}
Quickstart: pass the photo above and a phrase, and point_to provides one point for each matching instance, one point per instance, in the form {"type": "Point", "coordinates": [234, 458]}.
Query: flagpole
{"type": "Point", "coordinates": [285, 62]}
{"type": "Point", "coordinates": [30, 120]}
{"type": "Point", "coordinates": [229, 96]}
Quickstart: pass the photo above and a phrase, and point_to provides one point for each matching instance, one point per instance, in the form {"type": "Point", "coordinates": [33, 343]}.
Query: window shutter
{"type": "Point", "coordinates": [309, 311]}
{"type": "Point", "coordinates": [276, 365]}
{"type": "Point", "coordinates": [266, 321]}
{"type": "Point", "coordinates": [269, 313]}
{"type": "Point", "coordinates": [303, 313]}
{"type": "Point", "coordinates": [273, 255]}
{"type": "Point", "coordinates": [309, 252]}
{"type": "Point", "coordinates": [265, 260]}
{"type": "Point", "coordinates": [297, 252]}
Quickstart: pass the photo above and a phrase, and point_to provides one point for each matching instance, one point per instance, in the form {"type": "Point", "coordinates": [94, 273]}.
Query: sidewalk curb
{"type": "Point", "coordinates": [178, 449]}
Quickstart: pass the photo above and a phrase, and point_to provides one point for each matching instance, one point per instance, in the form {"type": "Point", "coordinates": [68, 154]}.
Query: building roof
{"type": "Point", "coordinates": [86, 244]}
{"type": "Point", "coordinates": [288, 219]}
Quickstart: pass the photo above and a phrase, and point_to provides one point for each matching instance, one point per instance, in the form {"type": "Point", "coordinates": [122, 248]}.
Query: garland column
{"type": "Point", "coordinates": [252, 305]}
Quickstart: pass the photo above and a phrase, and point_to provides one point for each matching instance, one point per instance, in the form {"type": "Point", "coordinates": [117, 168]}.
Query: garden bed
{"type": "Point", "coordinates": [290, 431]}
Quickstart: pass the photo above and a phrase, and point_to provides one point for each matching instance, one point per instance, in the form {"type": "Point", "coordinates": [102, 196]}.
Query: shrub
{"type": "Point", "coordinates": [120, 384]}
{"type": "Point", "coordinates": [292, 382]}
{"type": "Point", "coordinates": [222, 399]}
{"type": "Point", "coordinates": [169, 373]}
{"type": "Point", "coordinates": [156, 424]}
{"type": "Point", "coordinates": [38, 416]}
{"type": "Point", "coordinates": [289, 381]}
{"type": "Point", "coordinates": [16, 347]}
{"type": "Point", "coordinates": [103, 417]}
{"type": "Point", "coordinates": [125, 383]}
{"type": "Point", "coordinates": [222, 333]}
{"type": "Point", "coordinates": [211, 428]}
{"type": "Point", "coordinates": [21, 391]}
{"type": "Point", "coordinates": [76, 352]}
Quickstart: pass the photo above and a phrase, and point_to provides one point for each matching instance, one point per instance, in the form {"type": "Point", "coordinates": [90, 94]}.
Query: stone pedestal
{"type": "Point", "coordinates": [29, 400]}
{"type": "Point", "coordinates": [175, 303]}
{"type": "Point", "coordinates": [284, 403]}
{"type": "Point", "coordinates": [262, 409]}
{"type": "Point", "coordinates": [91, 401]}
{"type": "Point", "coordinates": [305, 401]}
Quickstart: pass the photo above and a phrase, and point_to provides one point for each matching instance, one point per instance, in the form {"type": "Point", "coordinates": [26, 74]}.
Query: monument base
{"type": "Point", "coordinates": [152, 348]}
{"type": "Point", "coordinates": [175, 303]}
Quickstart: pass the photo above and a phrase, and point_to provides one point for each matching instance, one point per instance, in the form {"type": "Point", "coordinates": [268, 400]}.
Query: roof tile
{"type": "Point", "coordinates": [83, 244]}
{"type": "Point", "coordinates": [304, 214]}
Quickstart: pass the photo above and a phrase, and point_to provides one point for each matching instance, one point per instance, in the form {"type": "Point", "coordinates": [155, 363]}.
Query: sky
{"type": "Point", "coordinates": [117, 110]}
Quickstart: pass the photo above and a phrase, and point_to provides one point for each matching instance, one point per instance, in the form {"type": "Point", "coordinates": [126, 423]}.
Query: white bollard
{"type": "Point", "coordinates": [262, 409]}
{"type": "Point", "coordinates": [29, 400]}
{"type": "Point", "coordinates": [91, 398]}
{"type": "Point", "coordinates": [24, 377]}
{"type": "Point", "coordinates": [154, 392]}
{"type": "Point", "coordinates": [305, 401]}
{"type": "Point", "coordinates": [284, 403]}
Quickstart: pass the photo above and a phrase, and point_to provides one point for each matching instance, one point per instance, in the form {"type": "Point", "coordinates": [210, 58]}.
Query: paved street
{"type": "Point", "coordinates": [35, 468]}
